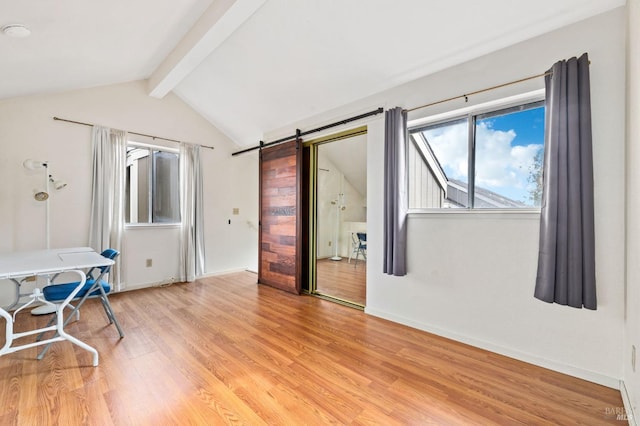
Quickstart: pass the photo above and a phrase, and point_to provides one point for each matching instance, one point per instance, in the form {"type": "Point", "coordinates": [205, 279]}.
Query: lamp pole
{"type": "Point", "coordinates": [47, 221]}
{"type": "Point", "coordinates": [339, 206]}
{"type": "Point", "coordinates": [42, 195]}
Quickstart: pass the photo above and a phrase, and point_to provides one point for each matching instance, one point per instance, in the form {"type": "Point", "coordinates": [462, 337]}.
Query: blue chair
{"type": "Point", "coordinates": [95, 288]}
{"type": "Point", "coordinates": [361, 249]}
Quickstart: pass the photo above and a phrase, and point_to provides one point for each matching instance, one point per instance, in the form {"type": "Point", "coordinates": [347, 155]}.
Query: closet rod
{"type": "Point", "coordinates": [134, 133]}
{"type": "Point", "coordinates": [318, 129]}
{"type": "Point", "coordinates": [466, 95]}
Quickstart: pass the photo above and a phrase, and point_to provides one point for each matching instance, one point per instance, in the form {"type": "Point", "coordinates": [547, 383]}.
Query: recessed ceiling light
{"type": "Point", "coordinates": [16, 30]}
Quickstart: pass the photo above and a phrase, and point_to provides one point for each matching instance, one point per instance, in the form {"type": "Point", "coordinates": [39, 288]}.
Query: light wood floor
{"type": "Point", "coordinates": [341, 279]}
{"type": "Point", "coordinates": [227, 351]}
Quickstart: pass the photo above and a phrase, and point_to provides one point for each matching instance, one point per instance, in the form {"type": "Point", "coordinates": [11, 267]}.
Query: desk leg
{"type": "Point", "coordinates": [61, 335]}
{"type": "Point", "coordinates": [9, 332]}
{"type": "Point", "coordinates": [16, 298]}
{"type": "Point", "coordinates": [60, 322]}
{"type": "Point", "coordinates": [64, 335]}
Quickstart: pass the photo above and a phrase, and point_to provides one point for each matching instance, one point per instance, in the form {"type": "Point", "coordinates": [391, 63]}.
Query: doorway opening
{"type": "Point", "coordinates": [338, 217]}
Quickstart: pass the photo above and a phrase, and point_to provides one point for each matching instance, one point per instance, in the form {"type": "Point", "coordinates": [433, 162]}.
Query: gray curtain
{"type": "Point", "coordinates": [566, 260]}
{"type": "Point", "coordinates": [395, 192]}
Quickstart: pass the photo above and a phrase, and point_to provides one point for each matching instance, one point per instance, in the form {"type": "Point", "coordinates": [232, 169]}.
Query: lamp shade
{"type": "Point", "coordinates": [40, 195]}
{"type": "Point", "coordinates": [57, 184]}
{"type": "Point", "coordinates": [34, 164]}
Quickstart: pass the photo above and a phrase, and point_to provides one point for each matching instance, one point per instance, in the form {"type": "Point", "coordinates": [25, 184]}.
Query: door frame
{"type": "Point", "coordinates": [311, 224]}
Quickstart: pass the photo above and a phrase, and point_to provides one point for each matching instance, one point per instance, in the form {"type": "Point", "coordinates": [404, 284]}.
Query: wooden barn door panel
{"type": "Point", "coordinates": [279, 255]}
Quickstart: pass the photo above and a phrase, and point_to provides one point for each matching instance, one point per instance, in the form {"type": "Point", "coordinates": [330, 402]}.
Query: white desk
{"type": "Point", "coordinates": [17, 265]}
{"type": "Point", "coordinates": [46, 262]}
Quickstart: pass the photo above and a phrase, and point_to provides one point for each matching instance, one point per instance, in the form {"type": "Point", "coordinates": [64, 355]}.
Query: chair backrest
{"type": "Point", "coordinates": [362, 237]}
{"type": "Point", "coordinates": [109, 254]}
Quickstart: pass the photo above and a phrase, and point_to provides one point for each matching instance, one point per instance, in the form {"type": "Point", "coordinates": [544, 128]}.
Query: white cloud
{"type": "Point", "coordinates": [449, 144]}
{"type": "Point", "coordinates": [500, 167]}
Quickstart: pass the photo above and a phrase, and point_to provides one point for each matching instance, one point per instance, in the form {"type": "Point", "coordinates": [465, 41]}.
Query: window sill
{"type": "Point", "coordinates": [138, 226]}
{"type": "Point", "coordinates": [476, 213]}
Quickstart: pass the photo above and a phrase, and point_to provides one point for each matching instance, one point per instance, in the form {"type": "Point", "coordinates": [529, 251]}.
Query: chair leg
{"type": "Point", "coordinates": [109, 311]}
{"type": "Point", "coordinates": [106, 311]}
{"type": "Point", "coordinates": [111, 315]}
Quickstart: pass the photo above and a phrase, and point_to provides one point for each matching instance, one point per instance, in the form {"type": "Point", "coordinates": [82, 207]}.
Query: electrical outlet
{"type": "Point", "coordinates": [236, 210]}
{"type": "Point", "coordinates": [633, 358]}
{"type": "Point", "coordinates": [149, 263]}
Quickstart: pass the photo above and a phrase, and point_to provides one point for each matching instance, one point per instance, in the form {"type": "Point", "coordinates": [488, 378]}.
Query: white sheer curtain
{"type": "Point", "coordinates": [107, 199]}
{"type": "Point", "coordinates": [191, 197]}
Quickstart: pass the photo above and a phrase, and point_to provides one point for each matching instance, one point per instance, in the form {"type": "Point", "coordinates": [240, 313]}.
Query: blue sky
{"type": "Point", "coordinates": [529, 125]}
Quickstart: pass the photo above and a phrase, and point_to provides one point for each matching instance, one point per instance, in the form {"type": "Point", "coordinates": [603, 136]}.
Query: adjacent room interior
{"type": "Point", "coordinates": [340, 218]}
{"type": "Point", "coordinates": [238, 156]}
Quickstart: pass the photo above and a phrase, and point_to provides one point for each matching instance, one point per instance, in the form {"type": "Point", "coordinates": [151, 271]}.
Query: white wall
{"type": "Point", "coordinates": [632, 329]}
{"type": "Point", "coordinates": [330, 184]}
{"type": "Point", "coordinates": [27, 130]}
{"type": "Point", "coordinates": [471, 275]}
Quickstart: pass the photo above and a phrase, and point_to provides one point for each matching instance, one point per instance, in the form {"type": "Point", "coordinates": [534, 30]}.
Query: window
{"type": "Point", "coordinates": [152, 185]}
{"type": "Point", "coordinates": [488, 160]}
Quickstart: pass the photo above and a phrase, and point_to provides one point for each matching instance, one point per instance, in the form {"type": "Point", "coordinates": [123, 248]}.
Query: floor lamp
{"type": "Point", "coordinates": [42, 194]}
{"type": "Point", "coordinates": [339, 203]}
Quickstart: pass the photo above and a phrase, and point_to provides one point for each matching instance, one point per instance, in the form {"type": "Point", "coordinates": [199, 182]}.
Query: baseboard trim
{"type": "Point", "coordinates": [225, 272]}
{"type": "Point", "coordinates": [628, 407]}
{"type": "Point", "coordinates": [140, 286]}
{"type": "Point", "coordinates": [570, 370]}
{"type": "Point", "coordinates": [173, 280]}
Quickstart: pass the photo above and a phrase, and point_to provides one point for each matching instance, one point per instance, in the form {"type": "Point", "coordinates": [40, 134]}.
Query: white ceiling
{"type": "Point", "coordinates": [77, 43]}
{"type": "Point", "coordinates": [252, 66]}
{"type": "Point", "coordinates": [349, 156]}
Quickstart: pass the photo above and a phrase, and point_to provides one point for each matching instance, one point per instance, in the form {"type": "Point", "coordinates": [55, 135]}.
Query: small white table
{"type": "Point", "coordinates": [17, 265]}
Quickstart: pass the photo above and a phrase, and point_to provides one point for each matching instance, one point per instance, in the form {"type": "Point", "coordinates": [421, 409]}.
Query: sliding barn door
{"type": "Point", "coordinates": [279, 256]}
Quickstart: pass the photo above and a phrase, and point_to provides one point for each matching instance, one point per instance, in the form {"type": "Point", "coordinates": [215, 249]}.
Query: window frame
{"type": "Point", "coordinates": [151, 148]}
{"type": "Point", "coordinates": [469, 114]}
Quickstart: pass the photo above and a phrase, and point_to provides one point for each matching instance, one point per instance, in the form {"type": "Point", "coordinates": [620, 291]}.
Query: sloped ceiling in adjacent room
{"type": "Point", "coordinates": [252, 66]}
{"type": "Point", "coordinates": [350, 158]}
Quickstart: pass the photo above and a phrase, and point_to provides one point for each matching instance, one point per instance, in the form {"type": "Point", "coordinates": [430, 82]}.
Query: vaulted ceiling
{"type": "Point", "coordinates": [252, 66]}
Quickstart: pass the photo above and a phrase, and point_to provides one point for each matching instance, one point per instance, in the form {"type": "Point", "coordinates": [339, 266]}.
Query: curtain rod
{"type": "Point", "coordinates": [318, 129]}
{"type": "Point", "coordinates": [466, 95]}
{"type": "Point", "coordinates": [134, 133]}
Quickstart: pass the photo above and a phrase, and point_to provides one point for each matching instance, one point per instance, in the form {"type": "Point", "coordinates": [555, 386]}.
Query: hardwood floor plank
{"type": "Point", "coordinates": [302, 410]}
{"type": "Point", "coordinates": [341, 279]}
{"type": "Point", "coordinates": [331, 399]}
{"type": "Point", "coordinates": [504, 388]}
{"type": "Point", "coordinates": [225, 350]}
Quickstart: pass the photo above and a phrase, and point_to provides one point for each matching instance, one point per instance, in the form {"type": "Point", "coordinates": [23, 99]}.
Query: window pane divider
{"type": "Point", "coordinates": [471, 173]}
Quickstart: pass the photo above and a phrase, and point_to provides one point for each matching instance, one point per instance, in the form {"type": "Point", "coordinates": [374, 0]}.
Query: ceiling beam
{"type": "Point", "coordinates": [217, 23]}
